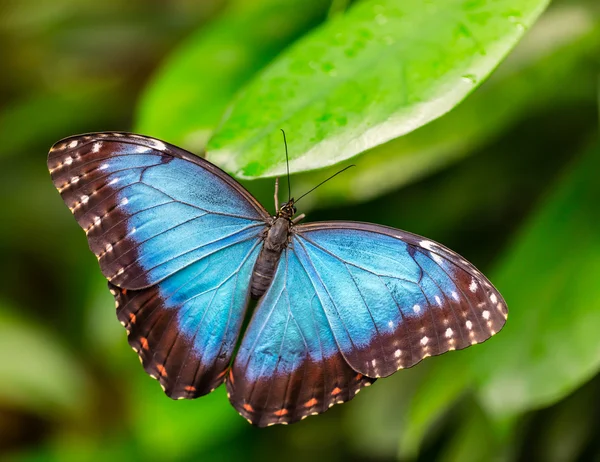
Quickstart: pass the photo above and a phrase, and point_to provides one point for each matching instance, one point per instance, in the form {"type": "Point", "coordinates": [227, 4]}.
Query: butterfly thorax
{"type": "Point", "coordinates": [276, 239]}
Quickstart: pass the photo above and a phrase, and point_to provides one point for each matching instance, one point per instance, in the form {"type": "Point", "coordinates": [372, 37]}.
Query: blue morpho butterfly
{"type": "Point", "coordinates": [184, 246]}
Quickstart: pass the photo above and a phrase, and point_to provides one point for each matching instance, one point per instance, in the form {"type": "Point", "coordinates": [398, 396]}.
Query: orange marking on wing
{"type": "Point", "coordinates": [222, 373]}
{"type": "Point", "coordinates": [281, 412]}
{"type": "Point", "coordinates": [248, 407]}
{"type": "Point", "coordinates": [144, 343]}
{"type": "Point", "coordinates": [190, 389]}
{"type": "Point", "coordinates": [132, 318]}
{"type": "Point", "coordinates": [123, 291]}
{"type": "Point", "coordinates": [336, 391]}
{"type": "Point", "coordinates": [231, 376]}
{"type": "Point", "coordinates": [161, 370]}
{"type": "Point", "coordinates": [311, 402]}
{"type": "Point", "coordinates": [359, 376]}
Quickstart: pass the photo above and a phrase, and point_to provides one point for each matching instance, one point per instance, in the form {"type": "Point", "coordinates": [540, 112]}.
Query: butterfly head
{"type": "Point", "coordinates": [287, 210]}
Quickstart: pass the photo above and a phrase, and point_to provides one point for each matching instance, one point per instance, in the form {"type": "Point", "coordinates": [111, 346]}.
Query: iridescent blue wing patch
{"type": "Point", "coordinates": [289, 365]}
{"type": "Point", "coordinates": [185, 328]}
{"type": "Point", "coordinates": [176, 237]}
{"type": "Point", "coordinates": [393, 298]}
{"type": "Point", "coordinates": [149, 208]}
{"type": "Point", "coordinates": [357, 295]}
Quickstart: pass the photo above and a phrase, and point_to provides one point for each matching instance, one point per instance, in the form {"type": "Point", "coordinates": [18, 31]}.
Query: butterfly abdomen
{"type": "Point", "coordinates": [275, 241]}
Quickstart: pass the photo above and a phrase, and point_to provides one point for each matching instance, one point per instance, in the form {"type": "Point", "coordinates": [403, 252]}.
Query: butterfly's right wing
{"type": "Point", "coordinates": [176, 237]}
{"type": "Point", "coordinates": [351, 302]}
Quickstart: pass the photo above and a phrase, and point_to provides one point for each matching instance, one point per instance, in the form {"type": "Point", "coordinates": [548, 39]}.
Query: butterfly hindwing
{"type": "Point", "coordinates": [185, 328]}
{"type": "Point", "coordinates": [288, 365]}
{"type": "Point", "coordinates": [177, 238]}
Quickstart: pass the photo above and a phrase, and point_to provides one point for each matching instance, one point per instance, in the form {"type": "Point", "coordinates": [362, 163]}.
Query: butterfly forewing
{"type": "Point", "coordinates": [148, 208]}
{"type": "Point", "coordinates": [396, 298]}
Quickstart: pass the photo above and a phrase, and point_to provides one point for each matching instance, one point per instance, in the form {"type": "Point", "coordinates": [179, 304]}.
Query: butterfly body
{"type": "Point", "coordinates": [340, 304]}
{"type": "Point", "coordinates": [277, 237]}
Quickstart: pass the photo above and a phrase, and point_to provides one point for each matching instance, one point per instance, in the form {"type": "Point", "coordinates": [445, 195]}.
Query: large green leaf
{"type": "Point", "coordinates": [187, 97]}
{"type": "Point", "coordinates": [383, 69]}
{"type": "Point", "coordinates": [550, 344]}
{"type": "Point", "coordinates": [562, 46]}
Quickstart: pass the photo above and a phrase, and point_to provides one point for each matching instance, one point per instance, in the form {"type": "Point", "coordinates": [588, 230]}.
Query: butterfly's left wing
{"type": "Point", "coordinates": [177, 238]}
{"type": "Point", "coordinates": [355, 300]}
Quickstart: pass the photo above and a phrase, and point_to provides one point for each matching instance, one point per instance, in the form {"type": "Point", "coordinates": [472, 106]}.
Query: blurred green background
{"type": "Point", "coordinates": [509, 178]}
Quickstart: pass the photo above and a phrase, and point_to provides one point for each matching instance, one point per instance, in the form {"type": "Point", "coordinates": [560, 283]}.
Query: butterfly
{"type": "Point", "coordinates": [185, 247]}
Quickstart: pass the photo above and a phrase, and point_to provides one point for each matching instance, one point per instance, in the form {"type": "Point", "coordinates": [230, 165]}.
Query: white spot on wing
{"type": "Point", "coordinates": [438, 300]}
{"type": "Point", "coordinates": [486, 314]}
{"type": "Point", "coordinates": [124, 201]}
{"type": "Point", "coordinates": [397, 353]}
{"type": "Point", "coordinates": [469, 324]}
{"type": "Point", "coordinates": [159, 145]}
{"type": "Point", "coordinates": [417, 308]}
{"type": "Point", "coordinates": [73, 143]}
{"type": "Point", "coordinates": [96, 147]}
{"type": "Point", "coordinates": [113, 181]}
{"type": "Point", "coordinates": [391, 324]}
{"type": "Point", "coordinates": [449, 333]}
{"type": "Point", "coordinates": [85, 199]}
{"type": "Point", "coordinates": [424, 340]}
{"type": "Point", "coordinates": [473, 286]}
{"type": "Point", "coordinates": [439, 260]}
{"type": "Point", "coordinates": [104, 166]}
{"type": "Point", "coordinates": [455, 296]}
{"type": "Point", "coordinates": [493, 298]}
{"type": "Point", "coordinates": [68, 161]}
{"type": "Point", "coordinates": [427, 244]}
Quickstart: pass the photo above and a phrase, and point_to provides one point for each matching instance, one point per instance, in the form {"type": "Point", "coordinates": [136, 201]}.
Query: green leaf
{"type": "Point", "coordinates": [187, 97]}
{"type": "Point", "coordinates": [381, 70]}
{"type": "Point", "coordinates": [38, 373]}
{"type": "Point", "coordinates": [561, 47]}
{"type": "Point", "coordinates": [550, 344]}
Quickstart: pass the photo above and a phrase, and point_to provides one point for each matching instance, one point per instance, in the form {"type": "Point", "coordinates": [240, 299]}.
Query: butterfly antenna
{"type": "Point", "coordinates": [287, 162]}
{"type": "Point", "coordinates": [325, 181]}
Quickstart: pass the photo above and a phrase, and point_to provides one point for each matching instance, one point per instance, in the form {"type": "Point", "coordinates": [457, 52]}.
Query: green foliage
{"type": "Point", "coordinates": [380, 71]}
{"type": "Point", "coordinates": [187, 97]}
{"type": "Point", "coordinates": [38, 374]}
{"type": "Point", "coordinates": [508, 178]}
{"type": "Point", "coordinates": [551, 345]}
